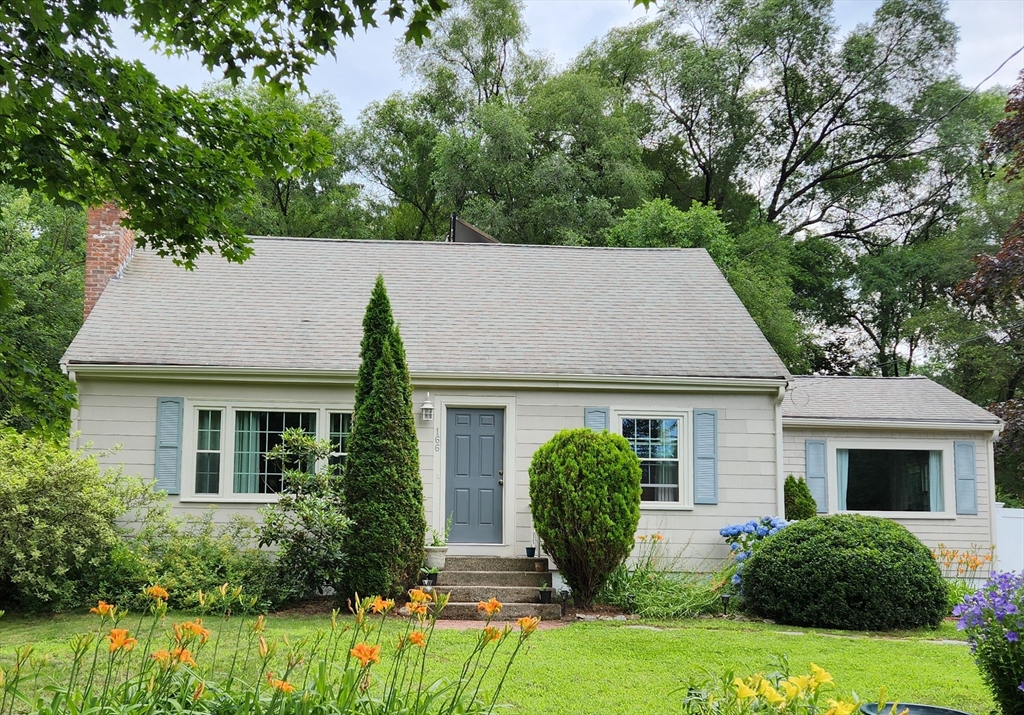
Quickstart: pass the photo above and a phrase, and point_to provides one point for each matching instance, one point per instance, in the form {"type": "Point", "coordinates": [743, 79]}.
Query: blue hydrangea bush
{"type": "Point", "coordinates": [993, 618]}
{"type": "Point", "coordinates": [744, 539]}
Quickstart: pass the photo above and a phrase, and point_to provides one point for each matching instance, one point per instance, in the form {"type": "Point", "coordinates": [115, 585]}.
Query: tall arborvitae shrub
{"type": "Point", "coordinates": [799, 501]}
{"type": "Point", "coordinates": [383, 488]}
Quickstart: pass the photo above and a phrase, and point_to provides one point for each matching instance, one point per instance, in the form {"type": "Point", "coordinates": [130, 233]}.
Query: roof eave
{"type": "Point", "coordinates": [995, 425]}
{"type": "Point", "coordinates": [433, 378]}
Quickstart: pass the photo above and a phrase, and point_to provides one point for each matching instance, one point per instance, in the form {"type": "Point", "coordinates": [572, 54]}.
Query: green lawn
{"type": "Point", "coordinates": [607, 668]}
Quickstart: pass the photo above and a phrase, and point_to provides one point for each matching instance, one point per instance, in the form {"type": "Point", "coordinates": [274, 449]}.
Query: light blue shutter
{"type": "Point", "coordinates": [816, 472]}
{"type": "Point", "coordinates": [595, 418]}
{"type": "Point", "coordinates": [964, 467]}
{"type": "Point", "coordinates": [705, 456]}
{"type": "Point", "coordinates": [169, 411]}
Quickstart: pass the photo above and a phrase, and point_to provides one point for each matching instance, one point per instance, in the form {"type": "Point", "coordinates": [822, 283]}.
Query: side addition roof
{"type": "Point", "coordinates": [463, 308]}
{"type": "Point", "coordinates": [912, 399]}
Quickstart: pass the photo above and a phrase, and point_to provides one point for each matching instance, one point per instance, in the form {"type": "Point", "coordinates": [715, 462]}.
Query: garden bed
{"type": "Point", "coordinates": [638, 667]}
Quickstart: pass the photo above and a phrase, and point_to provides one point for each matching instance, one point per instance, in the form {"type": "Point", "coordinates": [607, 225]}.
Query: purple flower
{"type": "Point", "coordinates": [1021, 686]}
{"type": "Point", "coordinates": [1012, 636]}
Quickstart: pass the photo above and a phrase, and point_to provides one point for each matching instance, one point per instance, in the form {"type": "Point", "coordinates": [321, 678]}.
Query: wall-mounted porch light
{"type": "Point", "coordinates": [428, 410]}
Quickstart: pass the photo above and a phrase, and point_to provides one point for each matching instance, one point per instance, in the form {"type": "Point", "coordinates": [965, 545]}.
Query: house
{"type": "Point", "coordinates": [197, 373]}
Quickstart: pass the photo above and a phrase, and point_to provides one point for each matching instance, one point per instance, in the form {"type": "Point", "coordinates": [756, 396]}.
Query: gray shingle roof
{"type": "Point", "coordinates": [907, 399]}
{"type": "Point", "coordinates": [463, 308]}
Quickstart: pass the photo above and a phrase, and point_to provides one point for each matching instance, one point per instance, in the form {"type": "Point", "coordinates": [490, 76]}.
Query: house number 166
{"type": "Point", "coordinates": [437, 439]}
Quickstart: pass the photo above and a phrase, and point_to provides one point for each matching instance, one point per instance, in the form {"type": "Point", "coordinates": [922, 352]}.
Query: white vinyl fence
{"type": "Point", "coordinates": [1009, 539]}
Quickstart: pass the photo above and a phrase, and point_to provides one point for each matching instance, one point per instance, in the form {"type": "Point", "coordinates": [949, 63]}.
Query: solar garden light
{"type": "Point", "coordinates": [725, 603]}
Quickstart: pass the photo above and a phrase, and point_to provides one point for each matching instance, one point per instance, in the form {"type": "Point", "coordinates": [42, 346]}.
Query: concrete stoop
{"type": "Point", "coordinates": [515, 582]}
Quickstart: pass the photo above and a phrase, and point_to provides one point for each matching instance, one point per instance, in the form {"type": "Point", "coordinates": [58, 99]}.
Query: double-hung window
{"type": "Point", "coordinates": [230, 446]}
{"type": "Point", "coordinates": [655, 440]}
{"type": "Point", "coordinates": [208, 451]}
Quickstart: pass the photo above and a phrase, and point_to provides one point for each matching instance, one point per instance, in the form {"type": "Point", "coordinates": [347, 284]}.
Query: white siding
{"type": "Point", "coordinates": [124, 412]}
{"type": "Point", "coordinates": [956, 531]}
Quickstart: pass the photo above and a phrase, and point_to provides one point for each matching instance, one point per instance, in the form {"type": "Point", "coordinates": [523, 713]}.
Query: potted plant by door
{"type": "Point", "coordinates": [545, 594]}
{"type": "Point", "coordinates": [437, 546]}
{"type": "Point", "coordinates": [429, 575]}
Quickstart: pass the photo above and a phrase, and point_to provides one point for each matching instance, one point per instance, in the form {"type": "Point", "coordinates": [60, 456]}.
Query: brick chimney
{"type": "Point", "coordinates": [108, 248]}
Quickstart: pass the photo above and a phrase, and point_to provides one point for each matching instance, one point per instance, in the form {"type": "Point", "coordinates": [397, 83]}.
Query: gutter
{"type": "Point", "coordinates": [433, 378]}
{"type": "Point", "coordinates": [994, 427]}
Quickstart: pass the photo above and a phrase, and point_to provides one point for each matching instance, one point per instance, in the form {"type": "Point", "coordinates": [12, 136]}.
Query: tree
{"type": "Point", "coordinates": [312, 197]}
{"type": "Point", "coordinates": [82, 126]}
{"type": "Point", "coordinates": [760, 279]}
{"type": "Point", "coordinates": [42, 254]}
{"type": "Point", "coordinates": [383, 489]}
{"type": "Point", "coordinates": [865, 141]}
{"type": "Point", "coordinates": [994, 296]}
{"type": "Point", "coordinates": [491, 134]}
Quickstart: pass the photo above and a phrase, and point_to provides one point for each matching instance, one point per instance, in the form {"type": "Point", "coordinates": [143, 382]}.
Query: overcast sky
{"type": "Point", "coordinates": [365, 70]}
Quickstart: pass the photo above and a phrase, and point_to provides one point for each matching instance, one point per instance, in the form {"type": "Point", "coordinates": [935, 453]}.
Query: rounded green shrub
{"type": "Point", "coordinates": [846, 571]}
{"type": "Point", "coordinates": [585, 500]}
{"type": "Point", "coordinates": [58, 522]}
{"type": "Point", "coordinates": [800, 502]}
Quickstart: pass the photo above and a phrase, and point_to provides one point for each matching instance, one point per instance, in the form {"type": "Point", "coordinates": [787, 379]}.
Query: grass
{"type": "Point", "coordinates": [625, 668]}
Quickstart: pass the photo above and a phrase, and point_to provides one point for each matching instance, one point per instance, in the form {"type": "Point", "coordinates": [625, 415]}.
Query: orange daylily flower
{"type": "Point", "coordinates": [260, 624]}
{"type": "Point", "coordinates": [183, 656]}
{"type": "Point", "coordinates": [420, 609]}
{"type": "Point", "coordinates": [366, 653]}
{"type": "Point", "coordinates": [283, 685]}
{"type": "Point", "coordinates": [104, 609]}
{"type": "Point", "coordinates": [162, 657]}
{"type": "Point", "coordinates": [119, 639]}
{"type": "Point", "coordinates": [657, 537]}
{"type": "Point", "coordinates": [196, 628]}
{"type": "Point", "coordinates": [382, 606]}
{"type": "Point", "coordinates": [157, 593]}
{"type": "Point", "coordinates": [492, 633]}
{"type": "Point", "coordinates": [418, 595]}
{"type": "Point", "coordinates": [528, 624]}
{"type": "Point", "coordinates": [198, 692]}
{"type": "Point", "coordinates": [418, 638]}
{"type": "Point", "coordinates": [489, 607]}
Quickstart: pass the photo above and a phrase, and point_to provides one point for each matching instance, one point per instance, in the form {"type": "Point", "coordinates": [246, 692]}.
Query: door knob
{"type": "Point", "coordinates": [501, 482]}
{"type": "Point", "coordinates": [501, 472]}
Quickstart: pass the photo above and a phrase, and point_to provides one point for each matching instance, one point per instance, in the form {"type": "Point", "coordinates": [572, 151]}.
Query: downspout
{"type": "Point", "coordinates": [74, 434]}
{"type": "Point", "coordinates": [780, 480]}
{"type": "Point", "coordinates": [990, 461]}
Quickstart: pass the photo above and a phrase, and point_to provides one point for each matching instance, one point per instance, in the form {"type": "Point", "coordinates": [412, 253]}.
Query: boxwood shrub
{"type": "Point", "coordinates": [585, 501]}
{"type": "Point", "coordinates": [846, 571]}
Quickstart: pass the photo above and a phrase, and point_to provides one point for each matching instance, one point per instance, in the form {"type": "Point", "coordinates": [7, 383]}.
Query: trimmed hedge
{"type": "Point", "coordinates": [846, 571]}
{"type": "Point", "coordinates": [585, 501]}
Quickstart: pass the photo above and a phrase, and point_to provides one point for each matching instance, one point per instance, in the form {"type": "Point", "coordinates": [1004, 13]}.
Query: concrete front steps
{"type": "Point", "coordinates": [513, 581]}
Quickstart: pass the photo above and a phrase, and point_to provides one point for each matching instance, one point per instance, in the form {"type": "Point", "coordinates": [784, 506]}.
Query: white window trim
{"type": "Point", "coordinates": [227, 460]}
{"type": "Point", "coordinates": [685, 417]}
{"type": "Point", "coordinates": [948, 478]}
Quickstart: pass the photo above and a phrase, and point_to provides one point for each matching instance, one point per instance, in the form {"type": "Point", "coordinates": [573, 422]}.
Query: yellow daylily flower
{"type": "Point", "coordinates": [802, 682]}
{"type": "Point", "coordinates": [743, 691]}
{"type": "Point", "coordinates": [770, 694]}
{"type": "Point", "coordinates": [836, 707]}
{"type": "Point", "coordinates": [820, 676]}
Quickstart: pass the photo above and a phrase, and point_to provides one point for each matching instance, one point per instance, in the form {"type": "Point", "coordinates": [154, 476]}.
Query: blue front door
{"type": "Point", "coordinates": [473, 474]}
